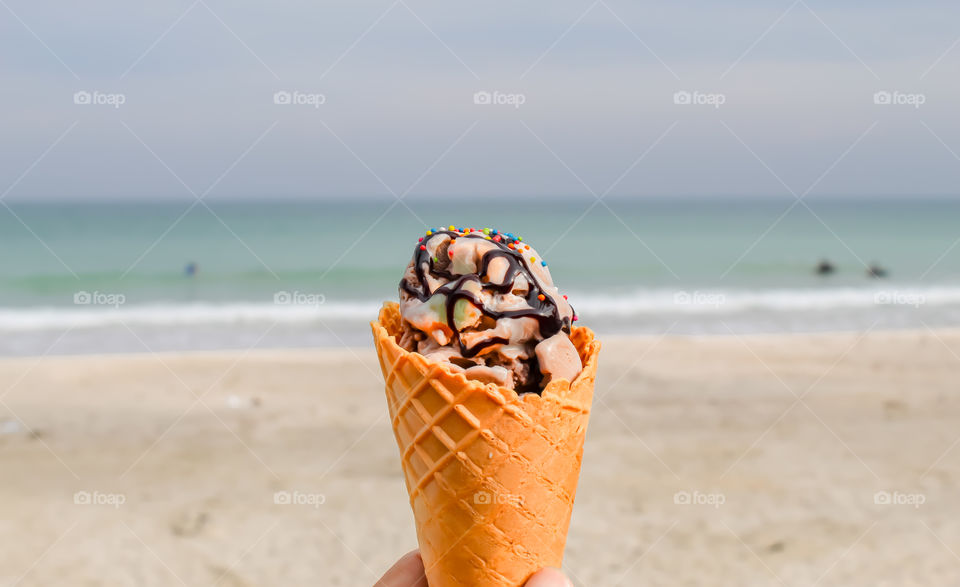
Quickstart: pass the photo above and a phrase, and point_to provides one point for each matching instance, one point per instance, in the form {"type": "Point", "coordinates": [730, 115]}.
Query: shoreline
{"type": "Point", "coordinates": [619, 339]}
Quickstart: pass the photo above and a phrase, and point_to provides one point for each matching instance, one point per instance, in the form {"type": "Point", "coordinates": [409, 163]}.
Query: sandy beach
{"type": "Point", "coordinates": [724, 460]}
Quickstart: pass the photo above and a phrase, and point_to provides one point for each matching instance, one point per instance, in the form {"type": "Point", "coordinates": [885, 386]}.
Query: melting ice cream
{"type": "Point", "coordinates": [484, 301]}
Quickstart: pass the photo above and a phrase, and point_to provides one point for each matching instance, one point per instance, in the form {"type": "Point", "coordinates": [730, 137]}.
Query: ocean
{"type": "Point", "coordinates": [116, 277]}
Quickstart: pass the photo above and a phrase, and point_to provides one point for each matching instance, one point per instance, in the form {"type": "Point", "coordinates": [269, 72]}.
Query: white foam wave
{"type": "Point", "coordinates": [636, 303]}
{"type": "Point", "coordinates": [692, 301]}
{"type": "Point", "coordinates": [159, 315]}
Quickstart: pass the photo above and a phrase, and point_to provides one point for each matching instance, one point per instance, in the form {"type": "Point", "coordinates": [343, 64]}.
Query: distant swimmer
{"type": "Point", "coordinates": [190, 270]}
{"type": "Point", "coordinates": [875, 271]}
{"type": "Point", "coordinates": [825, 267]}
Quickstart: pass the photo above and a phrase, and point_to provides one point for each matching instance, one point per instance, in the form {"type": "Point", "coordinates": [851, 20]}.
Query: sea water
{"type": "Point", "coordinates": [182, 275]}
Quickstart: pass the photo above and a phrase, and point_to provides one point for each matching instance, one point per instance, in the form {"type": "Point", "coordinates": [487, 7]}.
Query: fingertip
{"type": "Point", "coordinates": [407, 572]}
{"type": "Point", "coordinates": [549, 577]}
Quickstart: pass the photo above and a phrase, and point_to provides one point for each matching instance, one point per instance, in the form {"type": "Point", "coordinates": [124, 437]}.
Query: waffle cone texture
{"type": "Point", "coordinates": [491, 475]}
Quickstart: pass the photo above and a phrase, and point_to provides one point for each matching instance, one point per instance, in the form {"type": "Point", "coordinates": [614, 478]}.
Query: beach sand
{"type": "Point", "coordinates": [779, 444]}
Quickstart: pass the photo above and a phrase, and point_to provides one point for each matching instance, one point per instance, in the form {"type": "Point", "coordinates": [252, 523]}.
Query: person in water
{"type": "Point", "coordinates": [876, 271]}
{"type": "Point", "coordinates": [824, 267]}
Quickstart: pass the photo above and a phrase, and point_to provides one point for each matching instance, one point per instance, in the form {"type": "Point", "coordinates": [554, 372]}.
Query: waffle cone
{"type": "Point", "coordinates": [491, 476]}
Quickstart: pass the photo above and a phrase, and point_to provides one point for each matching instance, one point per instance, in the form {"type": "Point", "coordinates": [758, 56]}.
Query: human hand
{"type": "Point", "coordinates": [409, 572]}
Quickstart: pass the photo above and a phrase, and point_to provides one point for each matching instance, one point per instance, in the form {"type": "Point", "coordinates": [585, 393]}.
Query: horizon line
{"type": "Point", "coordinates": [353, 198]}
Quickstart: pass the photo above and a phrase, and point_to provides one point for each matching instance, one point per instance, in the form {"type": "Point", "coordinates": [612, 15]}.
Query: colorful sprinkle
{"type": "Point", "coordinates": [575, 317]}
{"type": "Point", "coordinates": [541, 297]}
{"type": "Point", "coordinates": [508, 238]}
{"type": "Point", "coordinates": [564, 296]}
{"type": "Point", "coordinates": [423, 247]}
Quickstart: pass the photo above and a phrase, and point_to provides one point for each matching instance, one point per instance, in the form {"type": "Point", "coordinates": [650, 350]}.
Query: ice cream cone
{"type": "Point", "coordinates": [491, 476]}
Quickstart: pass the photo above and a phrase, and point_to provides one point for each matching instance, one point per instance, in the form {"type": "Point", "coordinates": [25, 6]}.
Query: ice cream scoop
{"type": "Point", "coordinates": [484, 301]}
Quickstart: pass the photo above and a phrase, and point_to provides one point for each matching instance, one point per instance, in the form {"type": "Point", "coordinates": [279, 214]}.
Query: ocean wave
{"type": "Point", "coordinates": [691, 300]}
{"type": "Point", "coordinates": [637, 303]}
{"type": "Point", "coordinates": [184, 315]}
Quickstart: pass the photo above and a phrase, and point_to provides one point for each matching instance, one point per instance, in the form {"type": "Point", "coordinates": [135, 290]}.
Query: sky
{"type": "Point", "coordinates": [240, 100]}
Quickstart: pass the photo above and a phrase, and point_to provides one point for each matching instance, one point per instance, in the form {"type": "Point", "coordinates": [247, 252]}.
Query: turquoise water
{"type": "Point", "coordinates": [743, 264]}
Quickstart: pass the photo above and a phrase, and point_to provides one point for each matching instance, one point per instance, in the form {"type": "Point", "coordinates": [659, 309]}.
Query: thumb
{"type": "Point", "coordinates": [408, 572]}
{"type": "Point", "coordinates": [549, 578]}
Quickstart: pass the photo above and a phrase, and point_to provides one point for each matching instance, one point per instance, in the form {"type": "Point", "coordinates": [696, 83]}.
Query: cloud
{"type": "Point", "coordinates": [398, 90]}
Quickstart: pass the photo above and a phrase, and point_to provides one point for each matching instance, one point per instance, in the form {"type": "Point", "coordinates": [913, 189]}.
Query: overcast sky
{"type": "Point", "coordinates": [589, 90]}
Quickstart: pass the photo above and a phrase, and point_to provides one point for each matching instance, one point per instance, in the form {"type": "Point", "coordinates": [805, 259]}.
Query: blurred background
{"type": "Point", "coordinates": [206, 175]}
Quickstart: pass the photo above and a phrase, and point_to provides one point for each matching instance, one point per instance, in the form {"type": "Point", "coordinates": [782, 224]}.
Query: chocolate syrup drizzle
{"type": "Point", "coordinates": [545, 311]}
